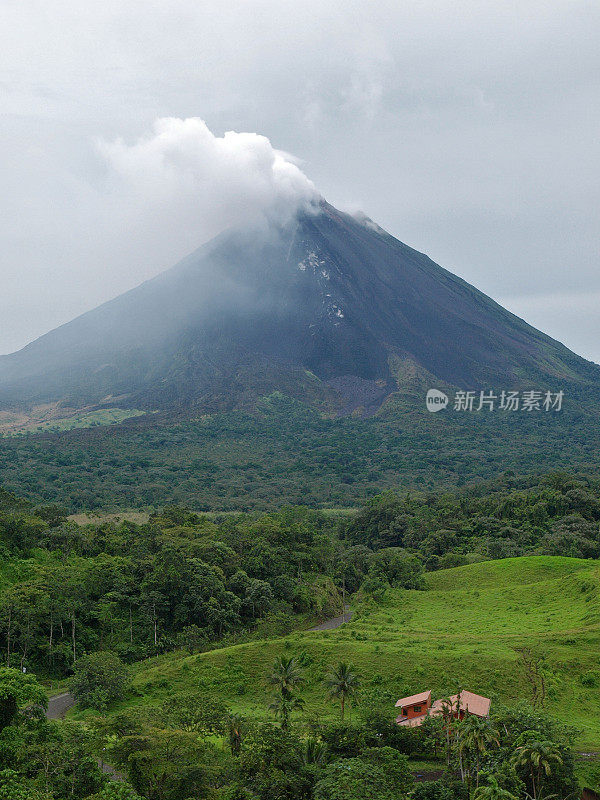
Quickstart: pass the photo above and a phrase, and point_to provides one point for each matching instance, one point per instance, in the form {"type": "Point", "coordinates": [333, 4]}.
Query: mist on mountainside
{"type": "Point", "coordinates": [324, 306]}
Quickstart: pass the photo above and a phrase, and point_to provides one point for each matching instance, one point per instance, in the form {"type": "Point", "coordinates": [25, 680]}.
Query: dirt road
{"type": "Point", "coordinates": [334, 622]}
{"type": "Point", "coordinates": [59, 704]}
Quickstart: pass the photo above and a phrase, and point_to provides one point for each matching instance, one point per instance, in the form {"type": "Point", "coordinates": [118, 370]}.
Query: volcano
{"type": "Point", "coordinates": [328, 308]}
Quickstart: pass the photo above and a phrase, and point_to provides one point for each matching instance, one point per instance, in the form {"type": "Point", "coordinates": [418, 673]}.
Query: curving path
{"type": "Point", "coordinates": [334, 622]}
{"type": "Point", "coordinates": [59, 704]}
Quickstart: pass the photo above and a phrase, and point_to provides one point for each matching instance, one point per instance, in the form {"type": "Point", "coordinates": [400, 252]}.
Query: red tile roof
{"type": "Point", "coordinates": [469, 701]}
{"type": "Point", "coordinates": [473, 703]}
{"type": "Point", "coordinates": [414, 699]}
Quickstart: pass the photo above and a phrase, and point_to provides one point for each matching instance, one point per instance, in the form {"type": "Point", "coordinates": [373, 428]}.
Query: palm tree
{"type": "Point", "coordinates": [447, 707]}
{"type": "Point", "coordinates": [286, 677]}
{"type": "Point", "coordinates": [475, 737]}
{"type": "Point", "coordinates": [493, 791]}
{"type": "Point", "coordinates": [235, 732]}
{"type": "Point", "coordinates": [283, 704]}
{"type": "Point", "coordinates": [537, 756]}
{"type": "Point", "coordinates": [342, 683]}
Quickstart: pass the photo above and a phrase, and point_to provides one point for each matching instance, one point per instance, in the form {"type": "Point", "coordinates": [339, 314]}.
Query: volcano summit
{"type": "Point", "coordinates": [329, 309]}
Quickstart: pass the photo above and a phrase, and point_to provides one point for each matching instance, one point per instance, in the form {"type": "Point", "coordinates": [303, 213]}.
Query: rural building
{"type": "Point", "coordinates": [414, 709]}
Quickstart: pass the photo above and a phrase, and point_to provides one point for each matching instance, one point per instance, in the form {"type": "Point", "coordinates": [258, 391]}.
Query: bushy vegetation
{"type": "Point", "coordinates": [185, 643]}
{"type": "Point", "coordinates": [553, 515]}
{"type": "Point", "coordinates": [166, 754]}
{"type": "Point", "coordinates": [182, 579]}
{"type": "Point", "coordinates": [285, 453]}
{"type": "Point", "coordinates": [98, 679]}
{"type": "Point", "coordinates": [190, 580]}
{"type": "Point", "coordinates": [484, 626]}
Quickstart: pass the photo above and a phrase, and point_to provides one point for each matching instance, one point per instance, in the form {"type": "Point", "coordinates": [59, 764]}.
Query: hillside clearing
{"type": "Point", "coordinates": [463, 631]}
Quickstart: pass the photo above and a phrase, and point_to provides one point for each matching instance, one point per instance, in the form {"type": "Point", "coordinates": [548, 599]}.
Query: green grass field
{"type": "Point", "coordinates": [86, 419]}
{"type": "Point", "coordinates": [462, 631]}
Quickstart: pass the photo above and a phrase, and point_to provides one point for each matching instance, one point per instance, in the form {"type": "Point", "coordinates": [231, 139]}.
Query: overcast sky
{"type": "Point", "coordinates": [470, 130]}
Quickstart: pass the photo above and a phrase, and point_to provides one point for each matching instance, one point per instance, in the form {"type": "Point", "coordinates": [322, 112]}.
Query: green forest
{"type": "Point", "coordinates": [186, 644]}
{"type": "Point", "coordinates": [287, 454]}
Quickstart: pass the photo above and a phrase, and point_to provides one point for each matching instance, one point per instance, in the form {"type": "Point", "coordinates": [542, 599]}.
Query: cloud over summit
{"type": "Point", "coordinates": [183, 171]}
{"type": "Point", "coordinates": [467, 130]}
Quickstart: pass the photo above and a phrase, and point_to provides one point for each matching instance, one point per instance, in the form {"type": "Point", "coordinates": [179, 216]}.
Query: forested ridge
{"type": "Point", "coordinates": [193, 578]}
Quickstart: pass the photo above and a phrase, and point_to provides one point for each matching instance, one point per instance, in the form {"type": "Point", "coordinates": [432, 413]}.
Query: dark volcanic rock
{"type": "Point", "coordinates": [320, 310]}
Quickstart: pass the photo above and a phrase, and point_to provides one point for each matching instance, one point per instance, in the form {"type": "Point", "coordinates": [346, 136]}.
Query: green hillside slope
{"type": "Point", "coordinates": [464, 631]}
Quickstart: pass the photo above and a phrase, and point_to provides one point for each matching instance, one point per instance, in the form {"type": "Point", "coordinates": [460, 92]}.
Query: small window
{"type": "Point", "coordinates": [417, 708]}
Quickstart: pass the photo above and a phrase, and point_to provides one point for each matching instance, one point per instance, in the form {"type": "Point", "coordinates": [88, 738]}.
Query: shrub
{"type": "Point", "coordinates": [99, 679]}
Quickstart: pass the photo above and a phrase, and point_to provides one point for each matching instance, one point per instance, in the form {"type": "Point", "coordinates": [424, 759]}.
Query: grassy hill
{"type": "Point", "coordinates": [464, 630]}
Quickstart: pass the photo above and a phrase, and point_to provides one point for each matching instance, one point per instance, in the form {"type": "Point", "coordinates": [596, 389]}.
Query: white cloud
{"type": "Point", "coordinates": [467, 129]}
{"type": "Point", "coordinates": [181, 176]}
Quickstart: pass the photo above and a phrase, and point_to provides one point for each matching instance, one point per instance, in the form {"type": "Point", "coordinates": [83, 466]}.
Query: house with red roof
{"type": "Point", "coordinates": [414, 709]}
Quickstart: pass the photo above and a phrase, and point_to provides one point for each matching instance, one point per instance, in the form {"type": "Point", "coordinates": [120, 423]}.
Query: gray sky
{"type": "Point", "coordinates": [468, 129]}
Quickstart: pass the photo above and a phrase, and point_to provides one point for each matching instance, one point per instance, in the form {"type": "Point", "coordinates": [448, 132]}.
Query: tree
{"type": "Point", "coordinates": [196, 712]}
{"type": "Point", "coordinates": [62, 759]}
{"type": "Point", "coordinates": [222, 616]}
{"type": "Point", "coordinates": [493, 791]}
{"type": "Point", "coordinates": [342, 683]}
{"type": "Point", "coordinates": [259, 596]}
{"type": "Point", "coordinates": [394, 764]}
{"type": "Point", "coordinates": [447, 716]}
{"type": "Point", "coordinates": [343, 740]}
{"type": "Point", "coordinates": [75, 598]}
{"type": "Point", "coordinates": [13, 787]}
{"type": "Point", "coordinates": [53, 515]}
{"type": "Point", "coordinates": [286, 674]}
{"type": "Point", "coordinates": [538, 757]}
{"type": "Point", "coordinates": [375, 586]}
{"type": "Point", "coordinates": [270, 765]}
{"type": "Point", "coordinates": [22, 606]}
{"type": "Point", "coordinates": [193, 638]}
{"type": "Point", "coordinates": [99, 679]}
{"type": "Point", "coordinates": [163, 765]}
{"type": "Point", "coordinates": [116, 791]}
{"type": "Point", "coordinates": [282, 706]}
{"type": "Point", "coordinates": [153, 603]}
{"type": "Point", "coordinates": [286, 677]}
{"type": "Point", "coordinates": [475, 737]}
{"type": "Point", "coordinates": [520, 724]}
{"type": "Point", "coordinates": [533, 667]}
{"type": "Point", "coordinates": [381, 773]}
{"type": "Point", "coordinates": [235, 733]}
{"type": "Point", "coordinates": [438, 790]}
{"type": "Point", "coordinates": [17, 689]}
{"type": "Point", "coordinates": [237, 792]}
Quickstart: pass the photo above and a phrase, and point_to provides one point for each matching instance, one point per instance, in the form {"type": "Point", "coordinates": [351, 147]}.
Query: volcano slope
{"type": "Point", "coordinates": [329, 309]}
{"type": "Point", "coordinates": [286, 364]}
